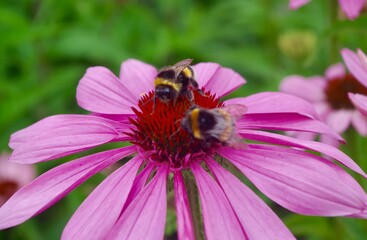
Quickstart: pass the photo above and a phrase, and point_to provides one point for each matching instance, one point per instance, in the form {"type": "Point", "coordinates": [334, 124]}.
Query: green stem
{"type": "Point", "coordinates": [338, 228]}
{"type": "Point", "coordinates": [351, 146]}
{"type": "Point", "coordinates": [355, 148]}
{"type": "Point", "coordinates": [193, 197]}
{"type": "Point", "coordinates": [334, 52]}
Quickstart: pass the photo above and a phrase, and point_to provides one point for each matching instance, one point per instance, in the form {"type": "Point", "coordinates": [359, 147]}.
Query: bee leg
{"type": "Point", "coordinates": [201, 92]}
{"type": "Point", "coordinates": [190, 96]}
{"type": "Point", "coordinates": [192, 107]}
{"type": "Point", "coordinates": [195, 85]}
{"type": "Point", "coordinates": [178, 129]}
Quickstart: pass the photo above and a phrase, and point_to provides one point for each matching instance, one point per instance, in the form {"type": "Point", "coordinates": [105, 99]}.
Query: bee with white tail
{"type": "Point", "coordinates": [214, 125]}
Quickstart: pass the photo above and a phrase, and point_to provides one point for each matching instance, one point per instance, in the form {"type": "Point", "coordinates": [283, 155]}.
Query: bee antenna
{"type": "Point", "coordinates": [148, 100]}
{"type": "Point", "coordinates": [152, 99]}
{"type": "Point", "coordinates": [179, 128]}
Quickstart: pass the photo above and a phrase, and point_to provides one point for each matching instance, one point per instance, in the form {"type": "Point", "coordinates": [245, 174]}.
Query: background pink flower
{"type": "Point", "coordinates": [131, 202]}
{"type": "Point", "coordinates": [13, 176]}
{"type": "Point", "coordinates": [351, 8]}
{"type": "Point", "coordinates": [357, 65]}
{"type": "Point", "coordinates": [295, 4]}
{"type": "Point", "coordinates": [330, 96]}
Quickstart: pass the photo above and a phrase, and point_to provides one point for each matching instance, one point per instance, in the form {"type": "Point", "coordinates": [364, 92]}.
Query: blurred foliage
{"type": "Point", "coordinates": [46, 46]}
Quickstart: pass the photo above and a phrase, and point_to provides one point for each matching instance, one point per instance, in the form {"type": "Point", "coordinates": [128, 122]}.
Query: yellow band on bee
{"type": "Point", "coordinates": [187, 72]}
{"type": "Point", "coordinates": [195, 123]}
{"type": "Point", "coordinates": [161, 81]}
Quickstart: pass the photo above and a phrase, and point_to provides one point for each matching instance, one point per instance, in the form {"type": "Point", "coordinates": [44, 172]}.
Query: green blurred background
{"type": "Point", "coordinates": [46, 46]}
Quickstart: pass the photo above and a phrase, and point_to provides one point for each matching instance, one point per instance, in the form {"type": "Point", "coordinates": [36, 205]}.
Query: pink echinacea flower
{"type": "Point", "coordinates": [351, 8]}
{"type": "Point", "coordinates": [331, 96]}
{"type": "Point", "coordinates": [131, 202]}
{"type": "Point", "coordinates": [357, 65]}
{"type": "Point", "coordinates": [13, 176]}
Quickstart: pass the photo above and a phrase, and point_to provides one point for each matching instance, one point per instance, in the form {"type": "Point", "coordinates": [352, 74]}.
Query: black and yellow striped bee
{"type": "Point", "coordinates": [213, 125]}
{"type": "Point", "coordinates": [175, 81]}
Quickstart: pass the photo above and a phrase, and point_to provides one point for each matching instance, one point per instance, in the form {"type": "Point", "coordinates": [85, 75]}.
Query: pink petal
{"type": "Point", "coordinates": [362, 58]}
{"type": "Point", "coordinates": [359, 101]}
{"type": "Point", "coordinates": [50, 123]}
{"type": "Point", "coordinates": [139, 184]}
{"type": "Point", "coordinates": [302, 135]}
{"type": "Point", "coordinates": [339, 120]}
{"type": "Point", "coordinates": [185, 228]}
{"type": "Point", "coordinates": [100, 91]}
{"type": "Point", "coordinates": [360, 123]}
{"type": "Point", "coordinates": [146, 215]}
{"type": "Point", "coordinates": [356, 63]}
{"type": "Point", "coordinates": [335, 71]}
{"type": "Point", "coordinates": [359, 215]}
{"type": "Point", "coordinates": [217, 79]}
{"type": "Point", "coordinates": [204, 72]}
{"type": "Point", "coordinates": [275, 102]}
{"type": "Point", "coordinates": [224, 81]}
{"type": "Point", "coordinates": [310, 89]}
{"type": "Point", "coordinates": [299, 181]}
{"type": "Point", "coordinates": [256, 218]}
{"type": "Point", "coordinates": [220, 222]}
{"type": "Point", "coordinates": [285, 122]}
{"type": "Point", "coordinates": [59, 136]}
{"type": "Point", "coordinates": [329, 141]}
{"type": "Point", "coordinates": [352, 8]}
{"type": "Point", "coordinates": [137, 77]}
{"type": "Point", "coordinates": [311, 145]}
{"type": "Point", "coordinates": [295, 4]}
{"type": "Point", "coordinates": [98, 213]}
{"type": "Point", "coordinates": [115, 117]}
{"type": "Point", "coordinates": [53, 185]}
{"type": "Point", "coordinates": [21, 174]}
{"type": "Point", "coordinates": [323, 109]}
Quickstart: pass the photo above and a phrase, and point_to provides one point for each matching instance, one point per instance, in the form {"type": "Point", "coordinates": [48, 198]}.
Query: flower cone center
{"type": "Point", "coordinates": [8, 188]}
{"type": "Point", "coordinates": [337, 91]}
{"type": "Point", "coordinates": [159, 133]}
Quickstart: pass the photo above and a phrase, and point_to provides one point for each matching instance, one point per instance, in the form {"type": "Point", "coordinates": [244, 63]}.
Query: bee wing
{"type": "Point", "coordinates": [235, 110]}
{"type": "Point", "coordinates": [238, 143]}
{"type": "Point", "coordinates": [181, 65]}
{"type": "Point", "coordinates": [178, 67]}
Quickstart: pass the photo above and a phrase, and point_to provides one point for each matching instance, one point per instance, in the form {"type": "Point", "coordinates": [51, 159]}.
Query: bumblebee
{"type": "Point", "coordinates": [213, 125]}
{"type": "Point", "coordinates": [175, 81]}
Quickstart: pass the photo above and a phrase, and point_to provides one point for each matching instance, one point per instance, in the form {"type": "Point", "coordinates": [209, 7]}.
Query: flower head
{"type": "Point", "coordinates": [351, 8]}
{"type": "Point", "coordinates": [357, 65]}
{"type": "Point", "coordinates": [131, 202]}
{"type": "Point", "coordinates": [13, 176]}
{"type": "Point", "coordinates": [331, 97]}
